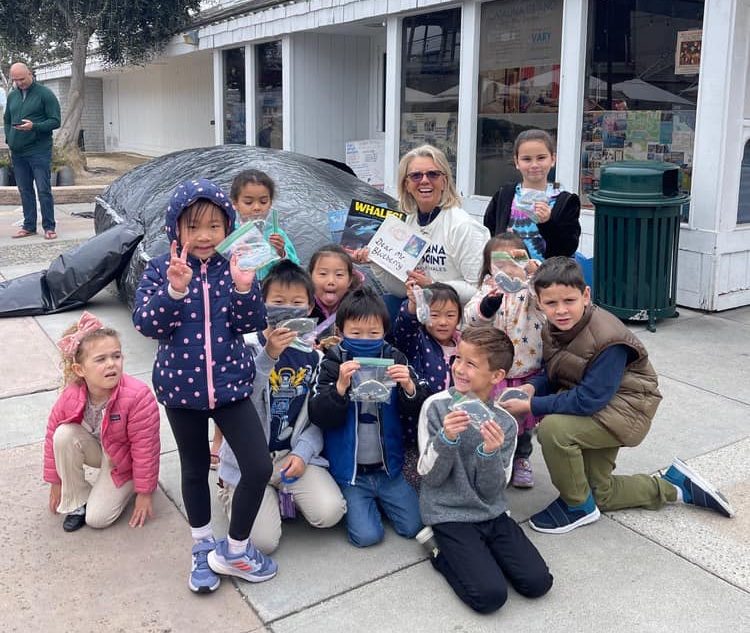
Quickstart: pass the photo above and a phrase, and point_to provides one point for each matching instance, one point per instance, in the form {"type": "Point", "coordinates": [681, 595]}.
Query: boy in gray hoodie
{"type": "Point", "coordinates": [477, 546]}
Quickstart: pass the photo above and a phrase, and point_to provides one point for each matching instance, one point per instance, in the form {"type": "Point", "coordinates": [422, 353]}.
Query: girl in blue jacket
{"type": "Point", "coordinates": [198, 305]}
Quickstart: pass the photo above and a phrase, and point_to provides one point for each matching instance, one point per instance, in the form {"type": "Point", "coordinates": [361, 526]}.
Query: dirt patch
{"type": "Point", "coordinates": [105, 168]}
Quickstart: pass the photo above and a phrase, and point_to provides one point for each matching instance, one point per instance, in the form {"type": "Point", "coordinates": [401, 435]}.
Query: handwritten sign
{"type": "Point", "coordinates": [396, 248]}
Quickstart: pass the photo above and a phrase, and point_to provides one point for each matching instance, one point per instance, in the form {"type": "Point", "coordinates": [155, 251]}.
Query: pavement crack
{"type": "Point", "coordinates": [703, 389]}
{"type": "Point", "coordinates": [710, 572]}
{"type": "Point", "coordinates": [345, 591]}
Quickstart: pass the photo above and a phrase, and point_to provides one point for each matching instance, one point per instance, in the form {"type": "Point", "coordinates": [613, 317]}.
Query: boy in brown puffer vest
{"type": "Point", "coordinates": [598, 392]}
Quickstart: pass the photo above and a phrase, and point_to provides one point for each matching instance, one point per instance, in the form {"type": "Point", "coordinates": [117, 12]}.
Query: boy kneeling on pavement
{"type": "Point", "coordinates": [598, 392]}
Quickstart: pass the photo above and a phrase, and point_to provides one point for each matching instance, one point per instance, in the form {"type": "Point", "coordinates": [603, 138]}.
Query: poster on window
{"type": "Point", "coordinates": [659, 135]}
{"type": "Point", "coordinates": [687, 56]}
{"type": "Point", "coordinates": [519, 33]}
{"type": "Point", "coordinates": [519, 61]}
{"type": "Point", "coordinates": [366, 158]}
{"type": "Point", "coordinates": [436, 128]}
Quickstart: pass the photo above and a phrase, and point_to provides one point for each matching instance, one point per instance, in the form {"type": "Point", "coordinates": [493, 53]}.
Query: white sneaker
{"type": "Point", "coordinates": [426, 538]}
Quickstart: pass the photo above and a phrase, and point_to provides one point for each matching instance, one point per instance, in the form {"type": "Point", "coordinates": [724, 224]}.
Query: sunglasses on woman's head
{"type": "Point", "coordinates": [416, 176]}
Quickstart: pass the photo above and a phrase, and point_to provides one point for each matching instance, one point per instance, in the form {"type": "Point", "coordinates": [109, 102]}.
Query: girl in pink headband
{"type": "Point", "coordinates": [104, 419]}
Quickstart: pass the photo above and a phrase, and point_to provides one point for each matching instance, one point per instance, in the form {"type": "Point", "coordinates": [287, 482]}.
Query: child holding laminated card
{"type": "Point", "coordinates": [362, 388]}
{"type": "Point", "coordinates": [466, 446]}
{"type": "Point", "coordinates": [197, 305]}
{"type": "Point", "coordinates": [506, 299]}
{"type": "Point", "coordinates": [597, 394]}
{"type": "Point", "coordinates": [426, 330]}
{"type": "Point", "coordinates": [535, 209]}
{"type": "Point", "coordinates": [285, 366]}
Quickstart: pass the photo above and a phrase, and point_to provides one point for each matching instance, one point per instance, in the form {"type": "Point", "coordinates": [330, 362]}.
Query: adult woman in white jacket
{"type": "Point", "coordinates": [428, 196]}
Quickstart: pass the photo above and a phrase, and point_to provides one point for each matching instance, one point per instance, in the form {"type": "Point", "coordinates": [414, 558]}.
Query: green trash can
{"type": "Point", "coordinates": [636, 239]}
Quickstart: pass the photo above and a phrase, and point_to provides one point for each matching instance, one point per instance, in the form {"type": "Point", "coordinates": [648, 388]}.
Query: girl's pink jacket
{"type": "Point", "coordinates": [129, 432]}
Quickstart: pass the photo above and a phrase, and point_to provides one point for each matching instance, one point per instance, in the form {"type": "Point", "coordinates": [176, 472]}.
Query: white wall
{"type": "Point", "coordinates": [164, 107]}
{"type": "Point", "coordinates": [714, 259]}
{"type": "Point", "coordinates": [91, 117]}
{"type": "Point", "coordinates": [330, 83]}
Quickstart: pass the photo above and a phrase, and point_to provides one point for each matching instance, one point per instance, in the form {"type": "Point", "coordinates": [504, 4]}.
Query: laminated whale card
{"type": "Point", "coordinates": [362, 221]}
{"type": "Point", "coordinates": [396, 248]}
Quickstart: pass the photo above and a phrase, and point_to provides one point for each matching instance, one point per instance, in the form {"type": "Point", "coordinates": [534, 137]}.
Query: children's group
{"type": "Point", "coordinates": [416, 403]}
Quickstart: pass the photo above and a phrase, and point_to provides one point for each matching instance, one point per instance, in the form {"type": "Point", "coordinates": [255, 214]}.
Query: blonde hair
{"type": "Point", "coordinates": [449, 197]}
{"type": "Point", "coordinates": [69, 376]}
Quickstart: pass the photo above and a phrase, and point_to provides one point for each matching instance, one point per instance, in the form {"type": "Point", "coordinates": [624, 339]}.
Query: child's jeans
{"type": "Point", "coordinates": [316, 495]}
{"type": "Point", "coordinates": [580, 455]}
{"type": "Point", "coordinates": [397, 499]}
{"type": "Point", "coordinates": [74, 446]}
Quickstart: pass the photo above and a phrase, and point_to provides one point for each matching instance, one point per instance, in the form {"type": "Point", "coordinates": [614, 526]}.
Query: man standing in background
{"type": "Point", "coordinates": [31, 113]}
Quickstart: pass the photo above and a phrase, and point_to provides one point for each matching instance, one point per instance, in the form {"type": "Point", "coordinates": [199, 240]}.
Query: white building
{"type": "Point", "coordinates": [667, 80]}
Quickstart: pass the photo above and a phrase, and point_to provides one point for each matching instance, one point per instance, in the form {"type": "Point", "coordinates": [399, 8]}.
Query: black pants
{"type": "Point", "coordinates": [477, 558]}
{"type": "Point", "coordinates": [241, 428]}
{"type": "Point", "coordinates": [523, 445]}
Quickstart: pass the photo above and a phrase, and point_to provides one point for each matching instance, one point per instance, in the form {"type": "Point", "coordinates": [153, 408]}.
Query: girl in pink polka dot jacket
{"type": "Point", "coordinates": [198, 305]}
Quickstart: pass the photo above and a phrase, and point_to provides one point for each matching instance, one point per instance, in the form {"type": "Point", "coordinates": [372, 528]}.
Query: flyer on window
{"type": "Point", "coordinates": [687, 56]}
{"type": "Point", "coordinates": [396, 248]}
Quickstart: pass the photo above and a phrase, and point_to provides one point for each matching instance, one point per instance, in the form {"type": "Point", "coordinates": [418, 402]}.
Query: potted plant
{"type": "Point", "coordinates": [62, 174]}
{"type": "Point", "coordinates": [6, 170]}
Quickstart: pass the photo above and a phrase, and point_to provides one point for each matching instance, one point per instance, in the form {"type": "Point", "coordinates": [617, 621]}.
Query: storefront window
{"type": "Point", "coordinates": [429, 94]}
{"type": "Point", "coordinates": [743, 210]}
{"type": "Point", "coordinates": [269, 115]}
{"type": "Point", "coordinates": [641, 85]}
{"type": "Point", "coordinates": [519, 82]}
{"type": "Point", "coordinates": [234, 96]}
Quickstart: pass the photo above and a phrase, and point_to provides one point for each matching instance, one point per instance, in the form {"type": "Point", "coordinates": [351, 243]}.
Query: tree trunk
{"type": "Point", "coordinates": [67, 136]}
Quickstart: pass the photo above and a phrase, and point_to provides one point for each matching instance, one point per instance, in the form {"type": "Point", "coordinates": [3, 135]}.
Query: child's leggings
{"type": "Point", "coordinates": [242, 430]}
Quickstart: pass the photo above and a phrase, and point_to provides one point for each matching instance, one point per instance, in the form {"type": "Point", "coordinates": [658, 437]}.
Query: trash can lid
{"type": "Point", "coordinates": [639, 180]}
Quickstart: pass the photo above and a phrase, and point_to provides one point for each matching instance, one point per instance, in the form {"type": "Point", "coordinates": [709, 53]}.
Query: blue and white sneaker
{"type": "Point", "coordinates": [252, 565]}
{"type": "Point", "coordinates": [202, 578]}
{"type": "Point", "coordinates": [696, 490]}
{"type": "Point", "coordinates": [558, 517]}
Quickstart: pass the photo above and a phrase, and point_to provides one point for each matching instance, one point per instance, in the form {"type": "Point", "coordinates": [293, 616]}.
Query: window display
{"type": "Point", "coordinates": [268, 99]}
{"type": "Point", "coordinates": [743, 208]}
{"type": "Point", "coordinates": [519, 82]}
{"type": "Point", "coordinates": [234, 96]}
{"type": "Point", "coordinates": [641, 86]}
{"type": "Point", "coordinates": [430, 66]}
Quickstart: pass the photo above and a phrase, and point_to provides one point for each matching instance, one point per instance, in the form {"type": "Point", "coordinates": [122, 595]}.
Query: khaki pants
{"type": "Point", "coordinates": [74, 446]}
{"type": "Point", "coordinates": [316, 495]}
{"type": "Point", "coordinates": [580, 455]}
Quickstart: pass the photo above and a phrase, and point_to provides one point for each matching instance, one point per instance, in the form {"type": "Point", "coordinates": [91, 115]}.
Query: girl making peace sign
{"type": "Point", "coordinates": [198, 305]}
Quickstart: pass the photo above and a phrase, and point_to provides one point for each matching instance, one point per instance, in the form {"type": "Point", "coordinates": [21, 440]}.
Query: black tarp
{"type": "Point", "coordinates": [73, 277]}
{"type": "Point", "coordinates": [306, 190]}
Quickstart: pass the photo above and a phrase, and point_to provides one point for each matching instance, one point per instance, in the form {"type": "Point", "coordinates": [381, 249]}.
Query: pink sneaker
{"type": "Point", "coordinates": [523, 476]}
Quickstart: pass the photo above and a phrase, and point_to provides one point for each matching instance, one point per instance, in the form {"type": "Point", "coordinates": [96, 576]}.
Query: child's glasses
{"type": "Point", "coordinates": [416, 176]}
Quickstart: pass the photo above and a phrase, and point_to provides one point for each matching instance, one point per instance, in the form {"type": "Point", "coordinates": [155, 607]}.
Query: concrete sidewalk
{"type": "Point", "coordinates": [677, 569]}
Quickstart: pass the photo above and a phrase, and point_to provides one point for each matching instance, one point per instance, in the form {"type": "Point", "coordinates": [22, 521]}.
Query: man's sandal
{"type": "Point", "coordinates": [50, 235]}
{"type": "Point", "coordinates": [23, 233]}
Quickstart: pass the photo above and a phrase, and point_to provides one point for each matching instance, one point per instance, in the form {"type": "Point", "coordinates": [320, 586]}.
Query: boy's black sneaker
{"type": "Point", "coordinates": [558, 517]}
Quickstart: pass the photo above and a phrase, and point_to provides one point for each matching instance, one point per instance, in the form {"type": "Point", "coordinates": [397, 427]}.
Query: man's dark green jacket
{"type": "Point", "coordinates": [42, 108]}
